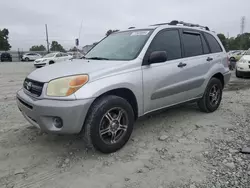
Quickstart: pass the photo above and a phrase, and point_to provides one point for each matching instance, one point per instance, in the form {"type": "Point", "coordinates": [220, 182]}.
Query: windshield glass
{"type": "Point", "coordinates": [49, 55]}
{"type": "Point", "coordinates": [120, 46]}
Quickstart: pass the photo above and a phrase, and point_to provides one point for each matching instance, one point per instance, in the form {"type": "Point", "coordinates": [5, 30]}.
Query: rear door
{"type": "Point", "coordinates": [216, 52]}
{"type": "Point", "coordinates": [197, 60]}
{"type": "Point", "coordinates": [32, 56]}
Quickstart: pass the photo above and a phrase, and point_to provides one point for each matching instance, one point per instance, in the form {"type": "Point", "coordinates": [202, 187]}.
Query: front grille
{"type": "Point", "coordinates": [34, 87]}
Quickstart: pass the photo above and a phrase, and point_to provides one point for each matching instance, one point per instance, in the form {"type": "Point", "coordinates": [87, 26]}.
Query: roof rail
{"type": "Point", "coordinates": [131, 27]}
{"type": "Point", "coordinates": [175, 22]}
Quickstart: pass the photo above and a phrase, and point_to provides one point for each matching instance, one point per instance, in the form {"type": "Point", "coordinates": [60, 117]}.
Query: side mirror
{"type": "Point", "coordinates": [157, 57]}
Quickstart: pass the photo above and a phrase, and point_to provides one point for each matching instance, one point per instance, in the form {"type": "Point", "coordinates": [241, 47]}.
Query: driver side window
{"type": "Point", "coordinates": [168, 41]}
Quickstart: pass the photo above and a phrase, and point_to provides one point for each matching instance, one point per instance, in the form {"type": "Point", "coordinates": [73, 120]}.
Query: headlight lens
{"type": "Point", "coordinates": [66, 86]}
{"type": "Point", "coordinates": [243, 61]}
{"type": "Point", "coordinates": [44, 60]}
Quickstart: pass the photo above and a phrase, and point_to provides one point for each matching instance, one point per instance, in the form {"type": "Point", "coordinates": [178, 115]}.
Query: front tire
{"type": "Point", "coordinates": [51, 62]}
{"type": "Point", "coordinates": [212, 97]}
{"type": "Point", "coordinates": [27, 59]}
{"type": "Point", "coordinates": [109, 124]}
{"type": "Point", "coordinates": [232, 59]}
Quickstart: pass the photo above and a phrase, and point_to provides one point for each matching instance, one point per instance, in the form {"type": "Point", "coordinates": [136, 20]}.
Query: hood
{"type": "Point", "coordinates": [46, 58]}
{"type": "Point", "coordinates": [246, 57]}
{"type": "Point", "coordinates": [74, 67]}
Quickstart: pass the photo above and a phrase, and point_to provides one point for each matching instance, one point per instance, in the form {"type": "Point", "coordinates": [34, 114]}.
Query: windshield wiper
{"type": "Point", "coordinates": [97, 58]}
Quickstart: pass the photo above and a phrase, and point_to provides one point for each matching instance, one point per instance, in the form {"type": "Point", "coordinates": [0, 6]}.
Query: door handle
{"type": "Point", "coordinates": [209, 59]}
{"type": "Point", "coordinates": [181, 64]}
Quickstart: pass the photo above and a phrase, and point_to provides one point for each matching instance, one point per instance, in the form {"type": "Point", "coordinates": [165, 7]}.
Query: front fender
{"type": "Point", "coordinates": [129, 80]}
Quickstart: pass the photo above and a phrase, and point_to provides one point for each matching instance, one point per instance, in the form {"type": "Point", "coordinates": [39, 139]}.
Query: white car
{"type": "Point", "coordinates": [243, 65]}
{"type": "Point", "coordinates": [31, 56]}
{"type": "Point", "coordinates": [76, 55]}
{"type": "Point", "coordinates": [52, 58]}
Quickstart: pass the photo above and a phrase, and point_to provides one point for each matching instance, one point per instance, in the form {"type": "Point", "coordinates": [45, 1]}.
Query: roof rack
{"type": "Point", "coordinates": [175, 22]}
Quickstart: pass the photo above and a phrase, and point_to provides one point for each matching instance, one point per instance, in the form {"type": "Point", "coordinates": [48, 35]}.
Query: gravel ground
{"type": "Point", "coordinates": [181, 147]}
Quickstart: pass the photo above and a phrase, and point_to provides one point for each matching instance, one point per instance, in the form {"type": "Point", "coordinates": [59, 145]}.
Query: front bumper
{"type": "Point", "coordinates": [39, 64]}
{"type": "Point", "coordinates": [243, 69]}
{"type": "Point", "coordinates": [40, 113]}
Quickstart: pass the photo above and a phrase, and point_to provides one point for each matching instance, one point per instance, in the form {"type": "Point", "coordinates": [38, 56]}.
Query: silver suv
{"type": "Point", "coordinates": [127, 75]}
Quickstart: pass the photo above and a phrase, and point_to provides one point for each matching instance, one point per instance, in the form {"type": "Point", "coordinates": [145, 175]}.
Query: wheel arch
{"type": "Point", "coordinates": [124, 93]}
{"type": "Point", "coordinates": [220, 77]}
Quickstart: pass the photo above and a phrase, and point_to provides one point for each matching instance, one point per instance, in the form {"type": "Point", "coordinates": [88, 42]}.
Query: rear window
{"type": "Point", "coordinates": [213, 43]}
{"type": "Point", "coordinates": [192, 44]}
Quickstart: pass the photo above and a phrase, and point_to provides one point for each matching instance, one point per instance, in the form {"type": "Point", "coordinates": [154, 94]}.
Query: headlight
{"type": "Point", "coordinates": [243, 61]}
{"type": "Point", "coordinates": [44, 60]}
{"type": "Point", "coordinates": [66, 86]}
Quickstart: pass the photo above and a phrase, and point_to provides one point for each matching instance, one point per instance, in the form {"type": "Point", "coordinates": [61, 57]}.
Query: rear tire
{"type": "Point", "coordinates": [102, 116]}
{"type": "Point", "coordinates": [212, 96]}
{"type": "Point", "coordinates": [27, 59]}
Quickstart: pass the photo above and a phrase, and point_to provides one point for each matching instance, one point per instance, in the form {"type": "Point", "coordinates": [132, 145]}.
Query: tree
{"type": "Point", "coordinates": [55, 46]}
{"type": "Point", "coordinates": [111, 31]}
{"type": "Point", "coordinates": [4, 43]}
{"type": "Point", "coordinates": [74, 49]}
{"type": "Point", "coordinates": [223, 40]}
{"type": "Point", "coordinates": [38, 48]}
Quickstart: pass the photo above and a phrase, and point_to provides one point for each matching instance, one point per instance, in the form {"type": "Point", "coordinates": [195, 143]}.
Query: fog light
{"type": "Point", "coordinates": [57, 122]}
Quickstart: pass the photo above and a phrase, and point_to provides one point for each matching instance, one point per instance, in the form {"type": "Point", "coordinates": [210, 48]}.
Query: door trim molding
{"type": "Point", "coordinates": [172, 90]}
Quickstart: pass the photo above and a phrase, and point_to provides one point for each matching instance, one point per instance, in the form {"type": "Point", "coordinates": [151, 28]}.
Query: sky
{"type": "Point", "coordinates": [26, 19]}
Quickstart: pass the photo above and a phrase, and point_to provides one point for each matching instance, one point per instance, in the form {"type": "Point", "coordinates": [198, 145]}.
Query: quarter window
{"type": "Point", "coordinates": [213, 43]}
{"type": "Point", "coordinates": [192, 44]}
{"type": "Point", "coordinates": [168, 41]}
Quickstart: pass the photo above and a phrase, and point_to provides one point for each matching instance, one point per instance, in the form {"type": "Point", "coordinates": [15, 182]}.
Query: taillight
{"type": "Point", "coordinates": [228, 62]}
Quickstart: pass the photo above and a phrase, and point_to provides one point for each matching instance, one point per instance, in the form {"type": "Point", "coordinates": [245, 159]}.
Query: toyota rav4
{"type": "Point", "coordinates": [125, 76]}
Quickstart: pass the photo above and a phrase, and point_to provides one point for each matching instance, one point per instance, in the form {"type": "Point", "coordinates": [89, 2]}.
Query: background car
{"type": "Point", "coordinates": [52, 58]}
{"type": "Point", "coordinates": [243, 65]}
{"type": "Point", "coordinates": [236, 55]}
{"type": "Point", "coordinates": [31, 56]}
{"type": "Point", "coordinates": [5, 56]}
{"type": "Point", "coordinates": [76, 55]}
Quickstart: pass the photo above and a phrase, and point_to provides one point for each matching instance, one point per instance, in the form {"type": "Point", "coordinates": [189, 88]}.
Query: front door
{"type": "Point", "coordinates": [164, 83]}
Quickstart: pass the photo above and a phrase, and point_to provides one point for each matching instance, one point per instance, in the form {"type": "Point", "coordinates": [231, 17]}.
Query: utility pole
{"type": "Point", "coordinates": [78, 40]}
{"type": "Point", "coordinates": [242, 24]}
{"type": "Point", "coordinates": [47, 38]}
{"type": "Point", "coordinates": [242, 28]}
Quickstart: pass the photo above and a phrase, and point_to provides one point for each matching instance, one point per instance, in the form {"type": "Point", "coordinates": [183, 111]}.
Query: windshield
{"type": "Point", "coordinates": [120, 46]}
{"type": "Point", "coordinates": [49, 55]}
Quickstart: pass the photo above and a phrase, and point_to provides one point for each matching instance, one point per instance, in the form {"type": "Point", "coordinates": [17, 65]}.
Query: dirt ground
{"type": "Point", "coordinates": [180, 147]}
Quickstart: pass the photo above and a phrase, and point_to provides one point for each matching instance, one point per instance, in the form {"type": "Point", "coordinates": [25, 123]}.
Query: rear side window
{"type": "Point", "coordinates": [192, 44]}
{"type": "Point", "coordinates": [168, 41]}
{"type": "Point", "coordinates": [213, 43]}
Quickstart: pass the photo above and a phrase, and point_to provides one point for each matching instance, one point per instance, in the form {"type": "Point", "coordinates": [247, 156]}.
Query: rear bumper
{"type": "Point", "coordinates": [227, 76]}
{"type": "Point", "coordinates": [41, 113]}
